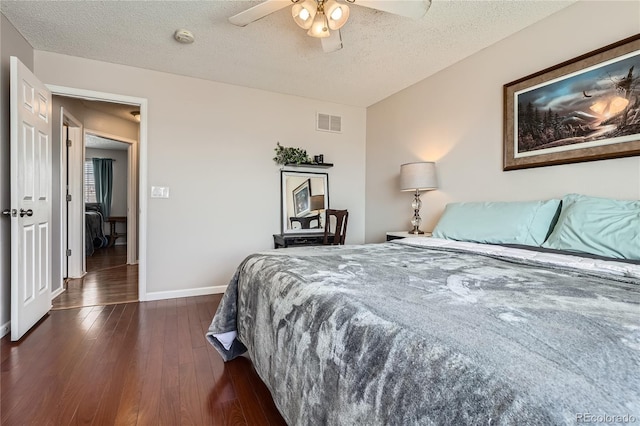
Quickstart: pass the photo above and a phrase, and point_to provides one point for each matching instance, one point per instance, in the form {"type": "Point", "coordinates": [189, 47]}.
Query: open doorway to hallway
{"type": "Point", "coordinates": [98, 202]}
{"type": "Point", "coordinates": [105, 191]}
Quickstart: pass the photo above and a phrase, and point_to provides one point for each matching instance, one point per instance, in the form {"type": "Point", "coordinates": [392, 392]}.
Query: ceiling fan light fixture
{"type": "Point", "coordinates": [320, 26]}
{"type": "Point", "coordinates": [337, 14]}
{"type": "Point", "coordinates": [303, 13]}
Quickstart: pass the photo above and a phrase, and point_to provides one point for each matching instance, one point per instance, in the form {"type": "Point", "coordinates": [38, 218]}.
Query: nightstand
{"type": "Point", "coordinates": [396, 235]}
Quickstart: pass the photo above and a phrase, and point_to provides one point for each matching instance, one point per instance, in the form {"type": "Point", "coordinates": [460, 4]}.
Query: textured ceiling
{"type": "Point", "coordinates": [382, 53]}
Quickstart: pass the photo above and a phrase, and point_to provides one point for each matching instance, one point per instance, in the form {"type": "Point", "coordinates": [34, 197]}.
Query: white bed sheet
{"type": "Point", "coordinates": [557, 259]}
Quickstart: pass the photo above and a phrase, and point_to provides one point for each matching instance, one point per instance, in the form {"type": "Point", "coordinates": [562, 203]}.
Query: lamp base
{"type": "Point", "coordinates": [416, 221]}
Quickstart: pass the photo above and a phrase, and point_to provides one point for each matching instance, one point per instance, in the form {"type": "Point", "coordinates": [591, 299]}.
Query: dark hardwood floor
{"type": "Point", "coordinates": [143, 363]}
{"type": "Point", "coordinates": [109, 280]}
{"type": "Point", "coordinates": [108, 257]}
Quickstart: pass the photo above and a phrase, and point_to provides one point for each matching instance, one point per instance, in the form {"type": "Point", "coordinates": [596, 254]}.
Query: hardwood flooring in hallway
{"type": "Point", "coordinates": [109, 280]}
{"type": "Point", "coordinates": [107, 257]}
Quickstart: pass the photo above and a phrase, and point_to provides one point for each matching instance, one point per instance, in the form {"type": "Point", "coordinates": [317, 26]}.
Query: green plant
{"type": "Point", "coordinates": [290, 155]}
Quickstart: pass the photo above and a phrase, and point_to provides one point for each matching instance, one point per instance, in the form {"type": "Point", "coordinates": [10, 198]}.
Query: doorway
{"type": "Point", "coordinates": [110, 239]}
{"type": "Point", "coordinates": [111, 274]}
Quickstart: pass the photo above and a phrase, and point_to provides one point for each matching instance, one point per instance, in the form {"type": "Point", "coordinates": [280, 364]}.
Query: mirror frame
{"type": "Point", "coordinates": [284, 218]}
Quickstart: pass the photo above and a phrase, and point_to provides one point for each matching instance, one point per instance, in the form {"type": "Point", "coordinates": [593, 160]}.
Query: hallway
{"type": "Point", "coordinates": [109, 280]}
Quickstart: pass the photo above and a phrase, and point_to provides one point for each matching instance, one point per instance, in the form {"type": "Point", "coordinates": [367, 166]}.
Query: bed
{"type": "Point", "coordinates": [437, 331]}
{"type": "Point", "coordinates": [94, 237]}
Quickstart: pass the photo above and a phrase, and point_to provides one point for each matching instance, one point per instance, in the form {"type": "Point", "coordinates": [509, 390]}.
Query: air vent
{"type": "Point", "coordinates": [329, 123]}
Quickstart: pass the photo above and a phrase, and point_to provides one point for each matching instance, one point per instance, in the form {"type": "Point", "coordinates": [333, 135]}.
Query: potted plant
{"type": "Point", "coordinates": [290, 155]}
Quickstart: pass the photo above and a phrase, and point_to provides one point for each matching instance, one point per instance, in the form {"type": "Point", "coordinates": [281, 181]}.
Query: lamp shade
{"type": "Point", "coordinates": [337, 14]}
{"type": "Point", "coordinates": [303, 13]}
{"type": "Point", "coordinates": [418, 176]}
{"type": "Point", "coordinates": [320, 26]}
{"type": "Point", "coordinates": [317, 202]}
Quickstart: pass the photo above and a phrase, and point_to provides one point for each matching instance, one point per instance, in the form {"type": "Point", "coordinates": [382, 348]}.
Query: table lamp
{"type": "Point", "coordinates": [317, 204]}
{"type": "Point", "coordinates": [420, 176]}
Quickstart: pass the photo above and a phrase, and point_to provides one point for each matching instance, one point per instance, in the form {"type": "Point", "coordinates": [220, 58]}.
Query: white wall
{"type": "Point", "coordinates": [455, 119]}
{"type": "Point", "coordinates": [99, 121]}
{"type": "Point", "coordinates": [213, 145]}
{"type": "Point", "coordinates": [11, 44]}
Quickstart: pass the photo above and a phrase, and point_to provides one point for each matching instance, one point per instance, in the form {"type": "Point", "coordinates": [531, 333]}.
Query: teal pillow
{"type": "Point", "coordinates": [599, 226]}
{"type": "Point", "coordinates": [526, 223]}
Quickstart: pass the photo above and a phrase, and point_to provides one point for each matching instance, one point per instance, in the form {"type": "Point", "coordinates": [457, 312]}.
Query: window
{"type": "Point", "coordinates": [89, 183]}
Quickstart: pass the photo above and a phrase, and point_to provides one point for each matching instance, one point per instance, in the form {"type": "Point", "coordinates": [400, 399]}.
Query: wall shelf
{"type": "Point", "coordinates": [314, 165]}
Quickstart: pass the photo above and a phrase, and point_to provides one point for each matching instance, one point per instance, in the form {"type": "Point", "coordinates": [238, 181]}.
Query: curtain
{"type": "Point", "coordinates": [103, 176]}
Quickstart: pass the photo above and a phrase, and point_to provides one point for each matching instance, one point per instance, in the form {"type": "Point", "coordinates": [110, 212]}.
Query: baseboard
{"type": "Point", "coordinates": [77, 278]}
{"type": "Point", "coordinates": [58, 292]}
{"type": "Point", "coordinates": [174, 294]}
{"type": "Point", "coordinates": [5, 329]}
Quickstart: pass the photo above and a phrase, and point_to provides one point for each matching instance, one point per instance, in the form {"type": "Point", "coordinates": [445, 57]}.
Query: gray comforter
{"type": "Point", "coordinates": [401, 335]}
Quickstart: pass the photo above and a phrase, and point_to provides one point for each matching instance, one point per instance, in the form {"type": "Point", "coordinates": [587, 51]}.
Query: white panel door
{"type": "Point", "coordinates": [31, 188]}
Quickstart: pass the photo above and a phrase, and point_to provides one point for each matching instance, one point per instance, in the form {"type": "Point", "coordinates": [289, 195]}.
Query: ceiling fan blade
{"type": "Point", "coordinates": [258, 12]}
{"type": "Point", "coordinates": [409, 8]}
{"type": "Point", "coordinates": [332, 43]}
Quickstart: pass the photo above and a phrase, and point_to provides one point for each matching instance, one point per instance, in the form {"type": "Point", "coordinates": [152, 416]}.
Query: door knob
{"type": "Point", "coordinates": [24, 212]}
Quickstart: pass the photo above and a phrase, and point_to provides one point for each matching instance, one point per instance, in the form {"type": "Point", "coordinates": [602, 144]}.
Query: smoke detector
{"type": "Point", "coordinates": [184, 36]}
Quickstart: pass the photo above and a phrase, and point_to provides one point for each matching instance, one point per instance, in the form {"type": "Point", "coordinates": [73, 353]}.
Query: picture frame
{"type": "Point", "coordinates": [302, 198]}
{"type": "Point", "coordinates": [584, 109]}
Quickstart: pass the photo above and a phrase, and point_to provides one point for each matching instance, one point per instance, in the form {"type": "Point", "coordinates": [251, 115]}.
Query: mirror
{"type": "Point", "coordinates": [304, 196]}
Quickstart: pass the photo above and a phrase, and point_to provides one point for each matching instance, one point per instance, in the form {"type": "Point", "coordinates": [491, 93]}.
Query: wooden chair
{"type": "Point", "coordinates": [305, 222]}
{"type": "Point", "coordinates": [340, 232]}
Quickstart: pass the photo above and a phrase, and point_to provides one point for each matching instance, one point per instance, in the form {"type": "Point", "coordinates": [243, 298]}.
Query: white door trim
{"type": "Point", "coordinates": [132, 181]}
{"type": "Point", "coordinates": [142, 149]}
{"type": "Point", "coordinates": [72, 123]}
{"type": "Point", "coordinates": [76, 235]}
{"type": "Point", "coordinates": [132, 209]}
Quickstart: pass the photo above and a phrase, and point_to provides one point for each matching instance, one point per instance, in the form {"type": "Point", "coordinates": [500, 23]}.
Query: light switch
{"type": "Point", "coordinates": [159, 192]}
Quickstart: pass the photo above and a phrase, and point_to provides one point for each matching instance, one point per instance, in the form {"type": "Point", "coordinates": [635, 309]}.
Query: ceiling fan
{"type": "Point", "coordinates": [324, 18]}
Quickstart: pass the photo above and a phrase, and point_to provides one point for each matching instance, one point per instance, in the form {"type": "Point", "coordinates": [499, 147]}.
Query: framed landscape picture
{"type": "Point", "coordinates": [585, 109]}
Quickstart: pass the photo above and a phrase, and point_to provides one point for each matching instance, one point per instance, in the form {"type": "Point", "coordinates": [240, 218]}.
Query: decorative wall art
{"type": "Point", "coordinates": [301, 198]}
{"type": "Point", "coordinates": [587, 108]}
